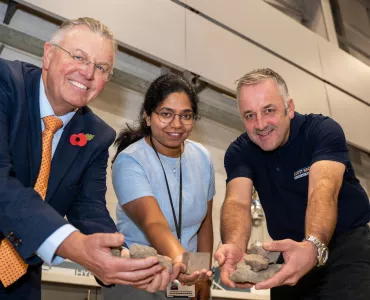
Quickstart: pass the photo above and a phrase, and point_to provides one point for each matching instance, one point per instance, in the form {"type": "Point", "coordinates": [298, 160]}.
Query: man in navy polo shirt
{"type": "Point", "coordinates": [316, 210]}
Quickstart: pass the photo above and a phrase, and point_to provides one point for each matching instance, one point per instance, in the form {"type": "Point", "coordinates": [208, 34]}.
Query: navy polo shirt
{"type": "Point", "coordinates": [281, 176]}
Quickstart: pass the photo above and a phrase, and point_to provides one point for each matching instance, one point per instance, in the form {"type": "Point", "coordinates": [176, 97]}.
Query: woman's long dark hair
{"type": "Point", "coordinates": [157, 92]}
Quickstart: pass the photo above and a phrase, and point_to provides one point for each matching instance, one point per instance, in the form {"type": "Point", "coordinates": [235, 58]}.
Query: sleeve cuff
{"type": "Point", "coordinates": [48, 248]}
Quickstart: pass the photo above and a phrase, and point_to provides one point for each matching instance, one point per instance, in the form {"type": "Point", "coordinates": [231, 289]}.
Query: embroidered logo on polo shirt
{"type": "Point", "coordinates": [302, 172]}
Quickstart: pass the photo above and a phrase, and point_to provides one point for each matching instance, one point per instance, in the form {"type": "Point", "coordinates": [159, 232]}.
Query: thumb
{"type": "Point", "coordinates": [111, 239]}
{"type": "Point", "coordinates": [220, 257]}
{"type": "Point", "coordinates": [280, 246]}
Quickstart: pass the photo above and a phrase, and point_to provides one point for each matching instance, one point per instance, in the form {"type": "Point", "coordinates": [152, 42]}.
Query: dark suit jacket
{"type": "Point", "coordinates": [77, 183]}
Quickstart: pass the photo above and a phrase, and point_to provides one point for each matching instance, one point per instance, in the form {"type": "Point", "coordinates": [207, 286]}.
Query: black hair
{"type": "Point", "coordinates": [157, 92]}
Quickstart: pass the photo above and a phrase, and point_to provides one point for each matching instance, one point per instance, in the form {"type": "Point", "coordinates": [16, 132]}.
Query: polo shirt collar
{"type": "Point", "coordinates": [295, 125]}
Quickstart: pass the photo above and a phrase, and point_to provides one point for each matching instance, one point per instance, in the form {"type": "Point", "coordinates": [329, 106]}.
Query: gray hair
{"type": "Point", "coordinates": [259, 75]}
{"type": "Point", "coordinates": [94, 25]}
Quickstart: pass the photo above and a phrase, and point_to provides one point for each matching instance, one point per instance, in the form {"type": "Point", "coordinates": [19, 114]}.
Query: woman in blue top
{"type": "Point", "coordinates": [165, 184]}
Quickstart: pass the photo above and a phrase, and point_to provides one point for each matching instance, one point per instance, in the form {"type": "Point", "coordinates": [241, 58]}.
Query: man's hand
{"type": "Point", "coordinates": [228, 256]}
{"type": "Point", "coordinates": [93, 253]}
{"type": "Point", "coordinates": [158, 283]}
{"type": "Point", "coordinates": [299, 259]}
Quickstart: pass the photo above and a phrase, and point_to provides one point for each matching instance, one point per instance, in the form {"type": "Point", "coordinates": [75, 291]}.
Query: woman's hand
{"type": "Point", "coordinates": [179, 270]}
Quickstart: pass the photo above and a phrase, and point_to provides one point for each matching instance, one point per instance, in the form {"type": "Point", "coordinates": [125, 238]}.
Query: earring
{"type": "Point", "coordinates": [148, 124]}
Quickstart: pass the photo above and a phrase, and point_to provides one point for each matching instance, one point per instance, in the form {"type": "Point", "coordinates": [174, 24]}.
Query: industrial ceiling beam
{"type": "Point", "coordinates": [32, 45]}
{"type": "Point", "coordinates": [10, 11]}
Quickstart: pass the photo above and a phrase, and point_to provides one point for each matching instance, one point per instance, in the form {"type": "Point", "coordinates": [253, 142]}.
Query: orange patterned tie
{"type": "Point", "coordinates": [12, 266]}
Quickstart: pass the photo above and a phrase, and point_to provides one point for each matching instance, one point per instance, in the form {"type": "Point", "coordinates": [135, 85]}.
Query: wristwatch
{"type": "Point", "coordinates": [322, 250]}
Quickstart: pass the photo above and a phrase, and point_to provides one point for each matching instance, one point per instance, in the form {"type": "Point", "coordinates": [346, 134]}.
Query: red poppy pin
{"type": "Point", "coordinates": [80, 139]}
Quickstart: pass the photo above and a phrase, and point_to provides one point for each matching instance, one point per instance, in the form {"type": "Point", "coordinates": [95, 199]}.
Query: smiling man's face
{"type": "Point", "coordinates": [265, 117]}
{"type": "Point", "coordinates": [68, 83]}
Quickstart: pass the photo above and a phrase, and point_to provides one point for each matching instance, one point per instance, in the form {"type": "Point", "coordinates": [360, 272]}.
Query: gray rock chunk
{"type": "Point", "coordinates": [244, 273]}
{"type": "Point", "coordinates": [257, 262]}
{"type": "Point", "coordinates": [142, 251]}
{"type": "Point", "coordinates": [166, 262]}
{"type": "Point", "coordinates": [257, 248]}
{"type": "Point", "coordinates": [116, 251]}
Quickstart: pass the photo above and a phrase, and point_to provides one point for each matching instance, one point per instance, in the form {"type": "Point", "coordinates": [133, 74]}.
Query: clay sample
{"type": "Point", "coordinates": [142, 251]}
{"type": "Point", "coordinates": [196, 261]}
{"type": "Point", "coordinates": [258, 265]}
{"type": "Point", "coordinates": [116, 251]}
{"type": "Point", "coordinates": [166, 262]}
{"type": "Point", "coordinates": [257, 248]}
{"type": "Point", "coordinates": [256, 262]}
{"type": "Point", "coordinates": [244, 273]}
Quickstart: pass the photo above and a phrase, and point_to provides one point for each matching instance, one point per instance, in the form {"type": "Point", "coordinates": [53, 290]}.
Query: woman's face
{"type": "Point", "coordinates": [171, 123]}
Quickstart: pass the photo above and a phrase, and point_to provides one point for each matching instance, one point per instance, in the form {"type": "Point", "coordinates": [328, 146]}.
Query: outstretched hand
{"type": "Point", "coordinates": [93, 252]}
{"type": "Point", "coordinates": [228, 256]}
{"type": "Point", "coordinates": [299, 258]}
{"type": "Point", "coordinates": [179, 270]}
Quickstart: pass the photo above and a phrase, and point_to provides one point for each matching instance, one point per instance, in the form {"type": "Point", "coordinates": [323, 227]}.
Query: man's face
{"type": "Point", "coordinates": [266, 120]}
{"type": "Point", "coordinates": [68, 83]}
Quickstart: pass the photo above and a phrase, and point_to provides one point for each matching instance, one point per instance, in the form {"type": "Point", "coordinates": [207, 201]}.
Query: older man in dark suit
{"type": "Point", "coordinates": [53, 160]}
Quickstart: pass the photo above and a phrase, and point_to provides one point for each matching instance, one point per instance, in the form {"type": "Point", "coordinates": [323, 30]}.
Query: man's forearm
{"type": "Point", "coordinates": [321, 214]}
{"type": "Point", "coordinates": [235, 223]}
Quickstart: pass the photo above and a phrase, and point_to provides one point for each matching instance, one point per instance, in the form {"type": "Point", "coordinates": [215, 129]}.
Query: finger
{"type": "Point", "coordinates": [109, 239]}
{"type": "Point", "coordinates": [209, 274]}
{"type": "Point", "coordinates": [282, 246]}
{"type": "Point", "coordinates": [202, 275]}
{"type": "Point", "coordinates": [145, 281]}
{"type": "Point", "coordinates": [155, 284]}
{"type": "Point", "coordinates": [220, 257]}
{"type": "Point", "coordinates": [244, 285]}
{"type": "Point", "coordinates": [175, 271]}
{"type": "Point", "coordinates": [224, 275]}
{"type": "Point", "coordinates": [134, 264]}
{"type": "Point", "coordinates": [142, 287]}
{"type": "Point", "coordinates": [125, 253]}
{"type": "Point", "coordinates": [205, 274]}
{"type": "Point", "coordinates": [135, 276]}
{"type": "Point", "coordinates": [189, 278]}
{"type": "Point", "coordinates": [276, 280]}
{"type": "Point", "coordinates": [165, 280]}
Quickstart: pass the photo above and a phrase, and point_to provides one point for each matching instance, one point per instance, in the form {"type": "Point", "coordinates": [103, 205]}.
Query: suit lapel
{"type": "Point", "coordinates": [34, 130]}
{"type": "Point", "coordinates": [65, 154]}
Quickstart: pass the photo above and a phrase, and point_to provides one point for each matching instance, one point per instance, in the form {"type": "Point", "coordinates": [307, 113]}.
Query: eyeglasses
{"type": "Point", "coordinates": [167, 116]}
{"type": "Point", "coordinates": [103, 70]}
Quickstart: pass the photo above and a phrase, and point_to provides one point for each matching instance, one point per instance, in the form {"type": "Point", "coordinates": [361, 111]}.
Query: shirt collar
{"type": "Point", "coordinates": [47, 110]}
{"type": "Point", "coordinates": [295, 125]}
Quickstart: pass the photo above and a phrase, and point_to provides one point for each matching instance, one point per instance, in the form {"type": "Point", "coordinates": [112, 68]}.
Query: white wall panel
{"type": "Point", "coordinates": [267, 26]}
{"type": "Point", "coordinates": [345, 71]}
{"type": "Point", "coordinates": [152, 27]}
{"type": "Point", "coordinates": [352, 115]}
{"type": "Point", "coordinates": [222, 57]}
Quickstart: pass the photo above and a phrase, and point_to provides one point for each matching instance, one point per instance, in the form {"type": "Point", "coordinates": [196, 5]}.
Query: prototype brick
{"type": "Point", "coordinates": [196, 261]}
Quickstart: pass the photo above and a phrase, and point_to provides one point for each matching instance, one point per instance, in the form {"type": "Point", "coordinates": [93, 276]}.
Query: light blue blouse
{"type": "Point", "coordinates": [137, 173]}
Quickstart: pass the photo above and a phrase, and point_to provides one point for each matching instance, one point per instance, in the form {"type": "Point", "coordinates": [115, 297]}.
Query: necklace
{"type": "Point", "coordinates": [175, 167]}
